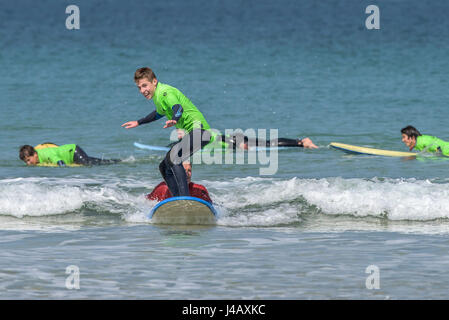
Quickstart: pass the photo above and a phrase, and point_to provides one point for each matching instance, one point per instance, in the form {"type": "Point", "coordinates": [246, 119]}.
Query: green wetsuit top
{"type": "Point", "coordinates": [432, 144]}
{"type": "Point", "coordinates": [165, 97]}
{"type": "Point", "coordinates": [55, 154]}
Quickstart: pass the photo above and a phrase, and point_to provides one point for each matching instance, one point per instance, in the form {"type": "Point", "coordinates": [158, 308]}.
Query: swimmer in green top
{"type": "Point", "coordinates": [182, 114]}
{"type": "Point", "coordinates": [61, 155]}
{"type": "Point", "coordinates": [412, 138]}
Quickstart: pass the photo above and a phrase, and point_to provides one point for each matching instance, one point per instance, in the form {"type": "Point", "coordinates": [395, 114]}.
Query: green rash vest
{"type": "Point", "coordinates": [55, 154]}
{"type": "Point", "coordinates": [165, 97]}
{"type": "Point", "coordinates": [432, 144]}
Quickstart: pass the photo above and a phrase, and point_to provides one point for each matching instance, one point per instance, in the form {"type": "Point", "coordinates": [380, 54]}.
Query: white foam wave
{"type": "Point", "coordinates": [395, 199]}
{"type": "Point", "coordinates": [45, 196]}
{"type": "Point", "coordinates": [241, 202]}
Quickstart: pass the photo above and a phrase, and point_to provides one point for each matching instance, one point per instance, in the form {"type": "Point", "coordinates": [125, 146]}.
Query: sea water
{"type": "Point", "coordinates": [326, 225]}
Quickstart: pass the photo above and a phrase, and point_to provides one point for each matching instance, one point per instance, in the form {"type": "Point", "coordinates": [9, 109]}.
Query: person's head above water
{"type": "Point", "coordinates": [146, 81]}
{"type": "Point", "coordinates": [409, 136]}
{"type": "Point", "coordinates": [28, 155]}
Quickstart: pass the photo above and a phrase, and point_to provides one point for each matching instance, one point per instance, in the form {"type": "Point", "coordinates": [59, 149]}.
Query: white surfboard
{"type": "Point", "coordinates": [183, 211]}
{"type": "Point", "coordinates": [370, 151]}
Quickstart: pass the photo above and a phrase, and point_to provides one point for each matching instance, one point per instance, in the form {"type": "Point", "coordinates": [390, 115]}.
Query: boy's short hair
{"type": "Point", "coordinates": [144, 73]}
{"type": "Point", "coordinates": [411, 131]}
{"type": "Point", "coordinates": [26, 151]}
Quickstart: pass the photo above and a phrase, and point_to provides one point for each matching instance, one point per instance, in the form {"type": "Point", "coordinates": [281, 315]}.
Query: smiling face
{"type": "Point", "coordinates": [147, 87]}
{"type": "Point", "coordinates": [409, 141]}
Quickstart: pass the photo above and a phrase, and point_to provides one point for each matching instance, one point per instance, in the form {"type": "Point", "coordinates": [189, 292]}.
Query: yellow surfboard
{"type": "Point", "coordinates": [370, 151]}
{"type": "Point", "coordinates": [55, 165]}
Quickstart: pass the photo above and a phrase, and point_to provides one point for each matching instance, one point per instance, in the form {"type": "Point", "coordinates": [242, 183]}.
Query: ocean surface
{"type": "Point", "coordinates": [312, 230]}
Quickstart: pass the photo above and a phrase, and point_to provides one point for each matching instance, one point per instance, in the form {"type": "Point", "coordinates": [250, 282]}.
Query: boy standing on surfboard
{"type": "Point", "coordinates": [182, 114]}
{"type": "Point", "coordinates": [412, 138]}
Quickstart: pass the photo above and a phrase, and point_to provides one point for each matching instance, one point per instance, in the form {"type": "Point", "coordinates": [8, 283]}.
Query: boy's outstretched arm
{"type": "Point", "coordinates": [153, 116]}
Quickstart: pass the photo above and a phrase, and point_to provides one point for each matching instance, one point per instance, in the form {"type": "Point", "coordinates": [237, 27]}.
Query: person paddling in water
{"type": "Point", "coordinates": [240, 141]}
{"type": "Point", "coordinates": [67, 154]}
{"type": "Point", "coordinates": [413, 139]}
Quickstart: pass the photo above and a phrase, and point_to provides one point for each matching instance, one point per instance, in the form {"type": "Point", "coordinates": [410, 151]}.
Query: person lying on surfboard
{"type": "Point", "coordinates": [50, 153]}
{"type": "Point", "coordinates": [243, 142]}
{"type": "Point", "coordinates": [413, 139]}
{"type": "Point", "coordinates": [182, 114]}
{"type": "Point", "coordinates": [161, 191]}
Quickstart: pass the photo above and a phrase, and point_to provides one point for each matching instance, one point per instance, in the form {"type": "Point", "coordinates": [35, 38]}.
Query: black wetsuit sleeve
{"type": "Point", "coordinates": [232, 140]}
{"type": "Point", "coordinates": [153, 116]}
{"type": "Point", "coordinates": [177, 112]}
{"type": "Point", "coordinates": [285, 142]}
